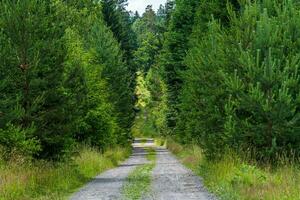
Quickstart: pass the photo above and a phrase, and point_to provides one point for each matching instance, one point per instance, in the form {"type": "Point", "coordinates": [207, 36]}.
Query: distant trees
{"type": "Point", "coordinates": [151, 89]}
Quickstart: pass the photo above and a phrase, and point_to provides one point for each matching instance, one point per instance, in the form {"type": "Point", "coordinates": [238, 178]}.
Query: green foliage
{"type": "Point", "coordinates": [158, 107]}
{"type": "Point", "coordinates": [151, 105]}
{"type": "Point", "coordinates": [59, 64]}
{"type": "Point", "coordinates": [107, 53]}
{"type": "Point", "coordinates": [146, 53]}
{"type": "Point", "coordinates": [118, 20]}
{"type": "Point", "coordinates": [142, 92]}
{"type": "Point", "coordinates": [240, 86]}
{"type": "Point", "coordinates": [151, 90]}
{"type": "Point", "coordinates": [33, 72]}
{"type": "Point", "coordinates": [175, 46]}
{"type": "Point", "coordinates": [16, 140]}
{"type": "Point", "coordinates": [202, 117]}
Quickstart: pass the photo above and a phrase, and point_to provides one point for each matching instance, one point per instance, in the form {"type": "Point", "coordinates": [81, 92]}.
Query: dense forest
{"type": "Point", "coordinates": [224, 76]}
{"type": "Point", "coordinates": [84, 71]}
{"type": "Point", "coordinates": [66, 76]}
{"type": "Point", "coordinates": [219, 74]}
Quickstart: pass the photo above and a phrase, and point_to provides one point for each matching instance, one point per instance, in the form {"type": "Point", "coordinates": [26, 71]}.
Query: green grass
{"type": "Point", "coordinates": [139, 181]}
{"type": "Point", "coordinates": [233, 178]}
{"type": "Point", "coordinates": [151, 154]}
{"type": "Point", "coordinates": [144, 140]}
{"type": "Point", "coordinates": [160, 142]}
{"type": "Point", "coordinates": [23, 180]}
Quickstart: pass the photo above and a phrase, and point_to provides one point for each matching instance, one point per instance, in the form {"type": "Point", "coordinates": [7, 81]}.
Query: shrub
{"type": "Point", "coordinates": [15, 140]}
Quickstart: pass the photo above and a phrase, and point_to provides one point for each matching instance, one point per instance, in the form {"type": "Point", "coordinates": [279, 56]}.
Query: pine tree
{"type": "Point", "coordinates": [239, 88]}
{"type": "Point", "coordinates": [174, 51]}
{"type": "Point", "coordinates": [59, 63]}
{"type": "Point", "coordinates": [149, 37]}
{"type": "Point", "coordinates": [35, 73]}
{"type": "Point", "coordinates": [118, 20]}
{"type": "Point", "coordinates": [264, 96]}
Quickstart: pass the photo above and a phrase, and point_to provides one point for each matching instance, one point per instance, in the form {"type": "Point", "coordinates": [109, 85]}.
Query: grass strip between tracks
{"type": "Point", "coordinates": [139, 180]}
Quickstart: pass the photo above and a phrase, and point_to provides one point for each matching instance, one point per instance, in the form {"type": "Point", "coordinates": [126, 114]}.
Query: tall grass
{"type": "Point", "coordinates": [233, 178]}
{"type": "Point", "coordinates": [22, 180]}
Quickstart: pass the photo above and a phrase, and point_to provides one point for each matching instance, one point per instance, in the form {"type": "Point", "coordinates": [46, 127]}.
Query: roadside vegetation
{"type": "Point", "coordinates": [236, 178]}
{"type": "Point", "coordinates": [22, 179]}
{"type": "Point", "coordinates": [58, 91]}
{"type": "Point", "coordinates": [139, 181]}
{"type": "Point", "coordinates": [224, 87]}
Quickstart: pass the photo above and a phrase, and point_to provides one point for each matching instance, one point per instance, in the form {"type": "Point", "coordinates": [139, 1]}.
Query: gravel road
{"type": "Point", "coordinates": [171, 180]}
{"type": "Point", "coordinates": [108, 185]}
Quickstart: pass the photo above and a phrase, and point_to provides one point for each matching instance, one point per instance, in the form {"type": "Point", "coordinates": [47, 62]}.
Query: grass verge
{"type": "Point", "coordinates": [139, 181]}
{"type": "Point", "coordinates": [54, 181]}
{"type": "Point", "coordinates": [234, 179]}
{"type": "Point", "coordinates": [151, 155]}
{"type": "Point", "coordinates": [160, 142]}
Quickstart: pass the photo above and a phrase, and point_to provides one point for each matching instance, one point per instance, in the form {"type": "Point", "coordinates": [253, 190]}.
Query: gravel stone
{"type": "Point", "coordinates": [173, 181]}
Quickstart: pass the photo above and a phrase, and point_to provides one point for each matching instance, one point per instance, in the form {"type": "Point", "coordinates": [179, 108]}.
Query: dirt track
{"type": "Point", "coordinates": [171, 180]}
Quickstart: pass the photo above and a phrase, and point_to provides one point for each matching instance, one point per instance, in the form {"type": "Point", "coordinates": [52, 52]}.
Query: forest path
{"type": "Point", "coordinates": [108, 185]}
{"type": "Point", "coordinates": [173, 181]}
{"type": "Point", "coordinates": [170, 179]}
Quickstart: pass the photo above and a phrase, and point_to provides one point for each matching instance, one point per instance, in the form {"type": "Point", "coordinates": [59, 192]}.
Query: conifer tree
{"type": "Point", "coordinates": [35, 72]}
{"type": "Point", "coordinates": [174, 51]}
{"type": "Point", "coordinates": [59, 63]}
{"type": "Point", "coordinates": [239, 88]}
{"type": "Point", "coordinates": [118, 20]}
